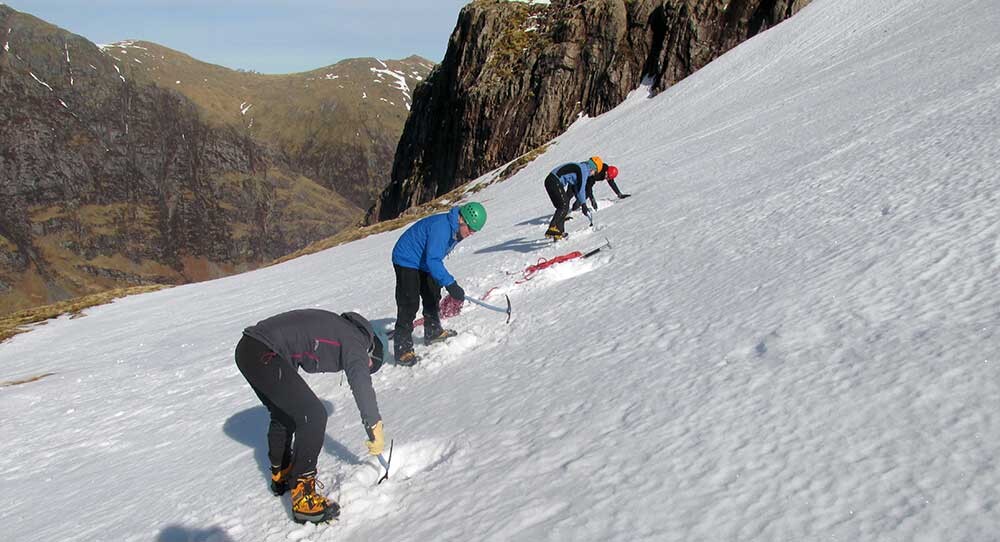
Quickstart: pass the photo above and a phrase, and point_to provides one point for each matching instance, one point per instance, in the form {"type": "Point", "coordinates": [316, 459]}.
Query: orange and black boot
{"type": "Point", "coordinates": [440, 336]}
{"type": "Point", "coordinates": [279, 479]}
{"type": "Point", "coordinates": [307, 505]}
{"type": "Point", "coordinates": [407, 359]}
{"type": "Point", "coordinates": [555, 233]}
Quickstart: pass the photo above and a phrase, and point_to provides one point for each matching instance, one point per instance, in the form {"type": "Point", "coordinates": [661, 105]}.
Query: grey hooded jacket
{"type": "Point", "coordinates": [321, 341]}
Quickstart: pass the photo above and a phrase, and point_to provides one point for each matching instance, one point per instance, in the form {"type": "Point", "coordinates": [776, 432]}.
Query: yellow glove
{"type": "Point", "coordinates": [376, 438]}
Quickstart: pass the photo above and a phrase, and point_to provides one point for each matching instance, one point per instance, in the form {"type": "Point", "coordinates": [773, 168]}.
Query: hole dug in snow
{"type": "Point", "coordinates": [408, 460]}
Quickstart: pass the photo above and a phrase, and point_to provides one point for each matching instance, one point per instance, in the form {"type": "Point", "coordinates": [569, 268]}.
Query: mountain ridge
{"type": "Point", "coordinates": [111, 178]}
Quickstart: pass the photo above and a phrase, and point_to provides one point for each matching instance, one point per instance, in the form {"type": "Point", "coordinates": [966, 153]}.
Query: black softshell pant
{"type": "Point", "coordinates": [295, 409]}
{"type": "Point", "coordinates": [560, 200]}
{"type": "Point", "coordinates": [412, 287]}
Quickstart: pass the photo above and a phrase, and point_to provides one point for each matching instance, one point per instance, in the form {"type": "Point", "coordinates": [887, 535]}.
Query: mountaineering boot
{"type": "Point", "coordinates": [279, 479]}
{"type": "Point", "coordinates": [554, 234]}
{"type": "Point", "coordinates": [307, 505]}
{"type": "Point", "coordinates": [440, 336]}
{"type": "Point", "coordinates": [407, 359]}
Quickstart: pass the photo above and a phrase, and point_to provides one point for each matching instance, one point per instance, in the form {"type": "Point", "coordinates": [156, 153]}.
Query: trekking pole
{"type": "Point", "coordinates": [385, 463]}
{"type": "Point", "coordinates": [493, 307]}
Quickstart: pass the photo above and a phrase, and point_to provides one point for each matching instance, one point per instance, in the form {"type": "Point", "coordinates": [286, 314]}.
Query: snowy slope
{"type": "Point", "coordinates": [794, 336]}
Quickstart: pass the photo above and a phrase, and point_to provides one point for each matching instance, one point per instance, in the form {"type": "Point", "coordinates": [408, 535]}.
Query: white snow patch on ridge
{"type": "Point", "coordinates": [400, 78]}
{"type": "Point", "coordinates": [121, 45]}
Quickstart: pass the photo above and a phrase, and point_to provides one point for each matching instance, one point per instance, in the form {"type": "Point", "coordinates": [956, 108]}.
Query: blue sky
{"type": "Point", "coordinates": [269, 36]}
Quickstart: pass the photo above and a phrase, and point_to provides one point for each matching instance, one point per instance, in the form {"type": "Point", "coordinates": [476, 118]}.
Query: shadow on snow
{"type": "Point", "coordinates": [249, 427]}
{"type": "Point", "coordinates": [517, 245]}
{"type": "Point", "coordinates": [176, 533]}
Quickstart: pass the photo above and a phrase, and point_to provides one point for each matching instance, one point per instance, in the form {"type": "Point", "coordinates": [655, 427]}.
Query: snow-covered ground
{"type": "Point", "coordinates": [794, 336]}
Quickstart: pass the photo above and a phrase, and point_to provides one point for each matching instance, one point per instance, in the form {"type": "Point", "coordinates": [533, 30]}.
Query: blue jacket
{"type": "Point", "coordinates": [573, 176]}
{"type": "Point", "coordinates": [425, 244]}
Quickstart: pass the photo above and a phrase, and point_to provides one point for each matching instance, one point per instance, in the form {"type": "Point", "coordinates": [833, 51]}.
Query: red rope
{"type": "Point", "coordinates": [529, 272]}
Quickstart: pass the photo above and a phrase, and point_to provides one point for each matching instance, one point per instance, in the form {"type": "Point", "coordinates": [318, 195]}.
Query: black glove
{"type": "Point", "coordinates": [456, 291]}
{"type": "Point", "coordinates": [623, 196]}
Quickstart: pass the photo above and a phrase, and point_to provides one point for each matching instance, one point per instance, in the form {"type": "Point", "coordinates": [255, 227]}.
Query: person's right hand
{"type": "Point", "coordinates": [376, 438]}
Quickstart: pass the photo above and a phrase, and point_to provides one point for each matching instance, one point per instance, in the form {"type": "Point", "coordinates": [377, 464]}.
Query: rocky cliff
{"type": "Point", "coordinates": [517, 74]}
{"type": "Point", "coordinates": [131, 163]}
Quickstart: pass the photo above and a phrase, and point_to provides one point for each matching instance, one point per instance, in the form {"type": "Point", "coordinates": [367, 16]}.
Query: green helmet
{"type": "Point", "coordinates": [474, 214]}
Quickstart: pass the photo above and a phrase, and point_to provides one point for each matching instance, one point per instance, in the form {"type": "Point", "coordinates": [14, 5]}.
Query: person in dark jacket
{"type": "Point", "coordinates": [269, 356]}
{"type": "Point", "coordinates": [608, 173]}
{"type": "Point", "coordinates": [565, 183]}
{"type": "Point", "coordinates": [418, 261]}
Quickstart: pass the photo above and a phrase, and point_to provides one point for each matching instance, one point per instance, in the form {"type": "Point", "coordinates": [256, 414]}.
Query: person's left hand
{"type": "Point", "coordinates": [456, 291]}
{"type": "Point", "coordinates": [623, 196]}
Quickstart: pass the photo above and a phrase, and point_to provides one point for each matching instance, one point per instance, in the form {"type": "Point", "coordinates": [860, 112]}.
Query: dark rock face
{"type": "Point", "coordinates": [105, 181]}
{"type": "Point", "coordinates": [516, 75]}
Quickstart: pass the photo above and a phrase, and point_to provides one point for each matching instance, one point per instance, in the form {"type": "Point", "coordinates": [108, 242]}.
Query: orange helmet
{"type": "Point", "coordinates": [597, 162]}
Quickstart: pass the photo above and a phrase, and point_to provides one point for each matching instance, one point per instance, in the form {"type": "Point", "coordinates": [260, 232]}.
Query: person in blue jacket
{"type": "Point", "coordinates": [418, 260]}
{"type": "Point", "coordinates": [567, 182]}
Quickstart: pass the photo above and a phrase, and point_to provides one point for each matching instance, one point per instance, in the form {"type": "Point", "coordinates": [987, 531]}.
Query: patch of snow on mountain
{"type": "Point", "coordinates": [43, 83]}
{"type": "Point", "coordinates": [398, 76]}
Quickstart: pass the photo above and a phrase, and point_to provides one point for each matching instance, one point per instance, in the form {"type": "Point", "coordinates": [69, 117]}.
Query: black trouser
{"type": "Point", "coordinates": [560, 200]}
{"type": "Point", "coordinates": [412, 287]}
{"type": "Point", "coordinates": [295, 409]}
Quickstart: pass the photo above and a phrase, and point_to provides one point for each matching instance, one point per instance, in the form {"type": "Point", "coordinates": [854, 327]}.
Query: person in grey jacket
{"type": "Point", "coordinates": [269, 355]}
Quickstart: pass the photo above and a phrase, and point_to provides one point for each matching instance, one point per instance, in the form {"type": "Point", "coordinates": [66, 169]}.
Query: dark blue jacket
{"type": "Point", "coordinates": [573, 176]}
{"type": "Point", "coordinates": [426, 243]}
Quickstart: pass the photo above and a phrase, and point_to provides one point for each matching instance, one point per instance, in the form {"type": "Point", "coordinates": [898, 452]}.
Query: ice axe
{"type": "Point", "coordinates": [492, 307]}
{"type": "Point", "coordinates": [385, 463]}
{"type": "Point", "coordinates": [607, 244]}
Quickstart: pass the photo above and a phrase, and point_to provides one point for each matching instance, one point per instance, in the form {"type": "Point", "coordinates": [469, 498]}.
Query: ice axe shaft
{"type": "Point", "coordinates": [607, 244]}
{"type": "Point", "coordinates": [486, 305]}
{"type": "Point", "coordinates": [385, 463]}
